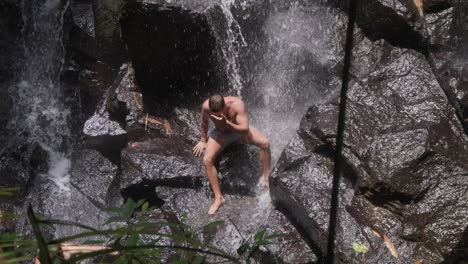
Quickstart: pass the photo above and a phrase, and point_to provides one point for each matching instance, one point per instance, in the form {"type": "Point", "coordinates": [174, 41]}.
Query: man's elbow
{"type": "Point", "coordinates": [244, 130]}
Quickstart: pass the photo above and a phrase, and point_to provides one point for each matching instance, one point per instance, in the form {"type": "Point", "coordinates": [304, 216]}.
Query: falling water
{"type": "Point", "coordinates": [231, 42]}
{"type": "Point", "coordinates": [292, 75]}
{"type": "Point", "coordinates": [41, 113]}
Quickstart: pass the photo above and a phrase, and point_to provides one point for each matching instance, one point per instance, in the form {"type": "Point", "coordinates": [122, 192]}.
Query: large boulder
{"type": "Point", "coordinates": [404, 150]}
{"type": "Point", "coordinates": [10, 32]}
{"type": "Point", "coordinates": [91, 191]}
{"type": "Point", "coordinates": [170, 162]}
{"type": "Point", "coordinates": [242, 217]}
{"type": "Point", "coordinates": [162, 39]}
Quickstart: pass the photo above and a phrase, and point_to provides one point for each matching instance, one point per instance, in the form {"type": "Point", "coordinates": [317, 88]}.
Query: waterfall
{"type": "Point", "coordinates": [292, 74]}
{"type": "Point", "coordinates": [40, 110]}
{"type": "Point", "coordinates": [231, 42]}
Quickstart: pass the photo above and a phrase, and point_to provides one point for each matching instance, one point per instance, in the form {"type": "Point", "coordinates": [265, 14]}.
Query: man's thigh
{"type": "Point", "coordinates": [213, 148]}
{"type": "Point", "coordinates": [255, 137]}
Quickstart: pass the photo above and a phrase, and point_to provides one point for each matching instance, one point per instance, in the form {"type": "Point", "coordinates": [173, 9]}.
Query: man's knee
{"type": "Point", "coordinates": [208, 160]}
{"type": "Point", "coordinates": [264, 144]}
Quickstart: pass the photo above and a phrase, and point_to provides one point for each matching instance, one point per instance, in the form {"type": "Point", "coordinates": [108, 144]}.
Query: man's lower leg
{"type": "Point", "coordinates": [212, 174]}
{"type": "Point", "coordinates": [265, 156]}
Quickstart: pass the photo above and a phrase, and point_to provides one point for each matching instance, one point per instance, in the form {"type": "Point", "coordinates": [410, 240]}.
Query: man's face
{"type": "Point", "coordinates": [217, 114]}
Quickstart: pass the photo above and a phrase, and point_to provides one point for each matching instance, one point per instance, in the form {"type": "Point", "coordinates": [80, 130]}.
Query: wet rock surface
{"type": "Point", "coordinates": [178, 78]}
{"type": "Point", "coordinates": [10, 28]}
{"type": "Point", "coordinates": [404, 149]}
{"type": "Point", "coordinates": [404, 189]}
{"type": "Point", "coordinates": [91, 193]}
{"type": "Point", "coordinates": [238, 227]}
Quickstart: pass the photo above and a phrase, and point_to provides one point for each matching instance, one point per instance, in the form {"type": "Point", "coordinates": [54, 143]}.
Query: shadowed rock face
{"type": "Point", "coordinates": [10, 27]}
{"type": "Point", "coordinates": [405, 151]}
{"type": "Point", "coordinates": [174, 54]}
{"type": "Point", "coordinates": [92, 191]}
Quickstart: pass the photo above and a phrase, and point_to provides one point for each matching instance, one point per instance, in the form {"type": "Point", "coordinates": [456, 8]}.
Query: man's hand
{"type": "Point", "coordinates": [220, 120]}
{"type": "Point", "coordinates": [199, 148]}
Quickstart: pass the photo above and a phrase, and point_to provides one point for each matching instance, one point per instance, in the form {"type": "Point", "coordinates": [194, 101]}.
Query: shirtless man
{"type": "Point", "coordinates": [229, 116]}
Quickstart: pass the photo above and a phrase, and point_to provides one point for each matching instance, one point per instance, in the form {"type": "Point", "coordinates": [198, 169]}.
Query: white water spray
{"type": "Point", "coordinates": [232, 41]}
{"type": "Point", "coordinates": [41, 114]}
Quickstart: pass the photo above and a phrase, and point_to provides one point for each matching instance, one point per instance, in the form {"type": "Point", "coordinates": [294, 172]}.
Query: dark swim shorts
{"type": "Point", "coordinates": [225, 138]}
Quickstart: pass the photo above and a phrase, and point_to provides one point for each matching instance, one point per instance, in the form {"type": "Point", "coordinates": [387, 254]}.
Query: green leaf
{"type": "Point", "coordinates": [145, 206]}
{"type": "Point", "coordinates": [263, 242]}
{"type": "Point", "coordinates": [275, 236]}
{"type": "Point", "coordinates": [198, 260]}
{"type": "Point", "coordinates": [242, 249]}
{"type": "Point", "coordinates": [121, 260]}
{"type": "Point", "coordinates": [212, 226]}
{"type": "Point", "coordinates": [43, 250]}
{"type": "Point", "coordinates": [133, 240]}
{"type": "Point", "coordinates": [259, 235]}
{"type": "Point", "coordinates": [17, 260]}
{"type": "Point", "coordinates": [115, 219]}
{"type": "Point", "coordinates": [360, 248]}
{"type": "Point", "coordinates": [93, 242]}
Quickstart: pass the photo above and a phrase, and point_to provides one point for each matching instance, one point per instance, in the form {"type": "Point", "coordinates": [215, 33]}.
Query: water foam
{"type": "Point", "coordinates": [41, 115]}
{"type": "Point", "coordinates": [231, 42]}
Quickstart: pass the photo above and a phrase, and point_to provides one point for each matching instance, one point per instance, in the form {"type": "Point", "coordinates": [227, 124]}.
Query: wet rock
{"type": "Point", "coordinates": [170, 162]}
{"type": "Point", "coordinates": [91, 171]}
{"type": "Point", "coordinates": [91, 191]}
{"type": "Point", "coordinates": [72, 206]}
{"type": "Point", "coordinates": [242, 217]}
{"type": "Point", "coordinates": [82, 12]}
{"type": "Point", "coordinates": [19, 164]}
{"type": "Point", "coordinates": [166, 68]}
{"type": "Point", "coordinates": [10, 29]}
{"type": "Point", "coordinates": [400, 139]}
{"type": "Point", "coordinates": [108, 31]}
{"type": "Point", "coordinates": [120, 106]}
{"type": "Point", "coordinates": [240, 169]}
{"type": "Point", "coordinates": [301, 188]}
{"type": "Point", "coordinates": [186, 124]}
{"type": "Point", "coordinates": [394, 21]}
{"type": "Point", "coordinates": [161, 161]}
{"type": "Point", "coordinates": [128, 92]}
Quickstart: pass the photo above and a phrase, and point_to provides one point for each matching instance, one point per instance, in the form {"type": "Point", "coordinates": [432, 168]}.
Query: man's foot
{"type": "Point", "coordinates": [215, 206]}
{"type": "Point", "coordinates": [265, 181]}
{"type": "Point", "coordinates": [134, 145]}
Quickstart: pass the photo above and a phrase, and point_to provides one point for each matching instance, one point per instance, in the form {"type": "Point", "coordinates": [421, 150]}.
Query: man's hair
{"type": "Point", "coordinates": [216, 103]}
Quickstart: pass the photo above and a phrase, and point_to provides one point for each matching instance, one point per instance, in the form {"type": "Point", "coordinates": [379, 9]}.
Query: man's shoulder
{"type": "Point", "coordinates": [205, 104]}
{"type": "Point", "coordinates": [238, 105]}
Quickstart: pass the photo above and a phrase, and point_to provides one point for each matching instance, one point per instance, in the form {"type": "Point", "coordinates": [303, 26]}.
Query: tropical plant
{"type": "Point", "coordinates": [131, 236]}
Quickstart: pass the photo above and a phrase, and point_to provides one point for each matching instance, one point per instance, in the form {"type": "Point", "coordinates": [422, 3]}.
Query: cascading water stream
{"type": "Point", "coordinates": [291, 75]}
{"type": "Point", "coordinates": [41, 113]}
{"type": "Point", "coordinates": [232, 41]}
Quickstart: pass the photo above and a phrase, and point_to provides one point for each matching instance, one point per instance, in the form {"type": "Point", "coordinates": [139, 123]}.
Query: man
{"type": "Point", "coordinates": [229, 116]}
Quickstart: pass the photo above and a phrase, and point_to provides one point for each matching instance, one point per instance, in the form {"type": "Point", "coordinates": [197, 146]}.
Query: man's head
{"type": "Point", "coordinates": [216, 103]}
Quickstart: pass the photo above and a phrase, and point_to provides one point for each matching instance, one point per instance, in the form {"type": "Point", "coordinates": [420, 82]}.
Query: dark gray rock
{"type": "Point", "coordinates": [400, 143]}
{"type": "Point", "coordinates": [187, 124]}
{"type": "Point", "coordinates": [170, 162]}
{"type": "Point", "coordinates": [88, 192]}
{"type": "Point", "coordinates": [243, 217]}
{"type": "Point", "coordinates": [94, 176]}
{"type": "Point", "coordinates": [161, 161]}
{"type": "Point", "coordinates": [162, 39]}
{"type": "Point", "coordinates": [83, 16]}
{"type": "Point", "coordinates": [10, 33]}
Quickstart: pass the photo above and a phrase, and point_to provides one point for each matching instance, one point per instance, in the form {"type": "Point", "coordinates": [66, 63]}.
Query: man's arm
{"type": "Point", "coordinates": [242, 121]}
{"type": "Point", "coordinates": [200, 147]}
{"type": "Point", "coordinates": [204, 122]}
